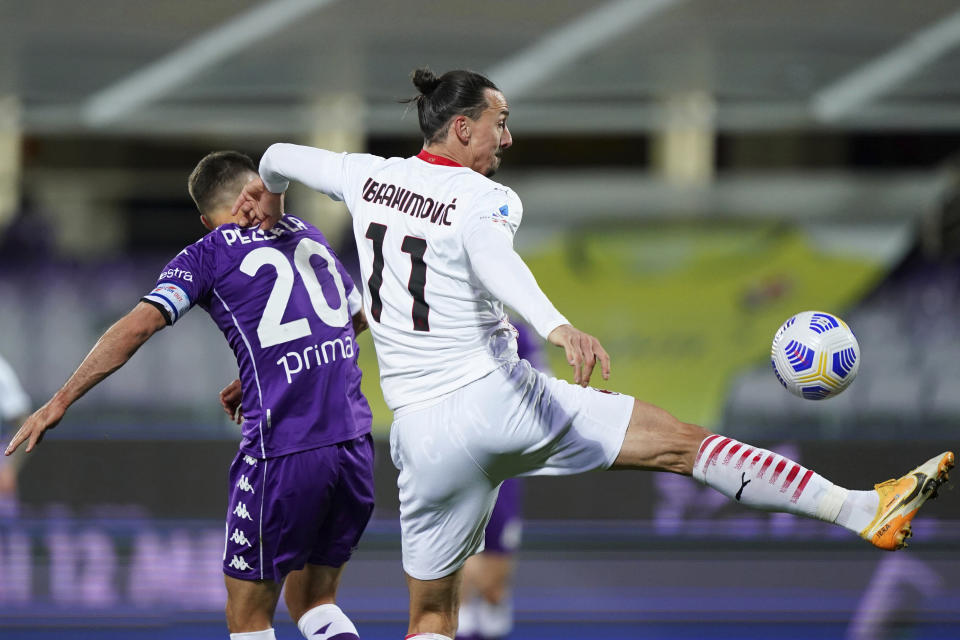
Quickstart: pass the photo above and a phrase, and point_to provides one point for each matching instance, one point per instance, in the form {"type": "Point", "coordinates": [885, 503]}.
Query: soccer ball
{"type": "Point", "coordinates": [815, 355]}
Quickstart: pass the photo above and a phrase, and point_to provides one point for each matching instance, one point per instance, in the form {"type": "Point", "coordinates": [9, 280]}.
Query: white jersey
{"type": "Point", "coordinates": [435, 324]}
{"type": "Point", "coordinates": [14, 401]}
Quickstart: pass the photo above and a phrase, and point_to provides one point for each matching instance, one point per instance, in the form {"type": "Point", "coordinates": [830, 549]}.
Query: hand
{"type": "Point", "coordinates": [359, 322]}
{"type": "Point", "coordinates": [257, 206]}
{"type": "Point", "coordinates": [583, 351]}
{"type": "Point", "coordinates": [46, 417]}
{"type": "Point", "coordinates": [230, 399]}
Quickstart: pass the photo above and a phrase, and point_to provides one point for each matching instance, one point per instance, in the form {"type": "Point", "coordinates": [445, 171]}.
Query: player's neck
{"type": "Point", "coordinates": [443, 154]}
{"type": "Point", "coordinates": [219, 217]}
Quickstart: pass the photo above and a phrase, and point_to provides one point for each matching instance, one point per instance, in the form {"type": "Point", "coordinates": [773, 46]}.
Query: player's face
{"type": "Point", "coordinates": [490, 135]}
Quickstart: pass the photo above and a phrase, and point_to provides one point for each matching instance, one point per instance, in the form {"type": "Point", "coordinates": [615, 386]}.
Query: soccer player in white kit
{"type": "Point", "coordinates": [435, 240]}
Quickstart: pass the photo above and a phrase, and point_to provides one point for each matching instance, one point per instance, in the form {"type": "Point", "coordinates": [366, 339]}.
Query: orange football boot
{"type": "Point", "coordinates": [900, 499]}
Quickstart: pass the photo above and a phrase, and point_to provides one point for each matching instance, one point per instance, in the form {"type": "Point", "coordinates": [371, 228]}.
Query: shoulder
{"type": "Point", "coordinates": [298, 225]}
{"type": "Point", "coordinates": [496, 199]}
{"type": "Point", "coordinates": [367, 161]}
{"type": "Point", "coordinates": [486, 189]}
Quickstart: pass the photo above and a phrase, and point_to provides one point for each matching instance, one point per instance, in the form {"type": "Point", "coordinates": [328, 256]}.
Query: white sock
{"type": "Point", "coordinates": [858, 510]}
{"type": "Point", "coordinates": [427, 636]}
{"type": "Point", "coordinates": [467, 618]}
{"type": "Point", "coordinates": [327, 621]}
{"type": "Point", "coordinates": [495, 620]}
{"type": "Point", "coordinates": [765, 480]}
{"type": "Point", "coordinates": [266, 634]}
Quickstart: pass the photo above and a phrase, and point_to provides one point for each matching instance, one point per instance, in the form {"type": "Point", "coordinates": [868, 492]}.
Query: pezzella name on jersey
{"type": "Point", "coordinates": [286, 224]}
{"type": "Point", "coordinates": [406, 201]}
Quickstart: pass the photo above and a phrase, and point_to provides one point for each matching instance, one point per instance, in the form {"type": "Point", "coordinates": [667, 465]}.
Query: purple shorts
{"type": "Point", "coordinates": [306, 507]}
{"type": "Point", "coordinates": [505, 527]}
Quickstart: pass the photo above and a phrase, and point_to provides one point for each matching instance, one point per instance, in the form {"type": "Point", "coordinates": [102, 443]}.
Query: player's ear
{"type": "Point", "coordinates": [461, 126]}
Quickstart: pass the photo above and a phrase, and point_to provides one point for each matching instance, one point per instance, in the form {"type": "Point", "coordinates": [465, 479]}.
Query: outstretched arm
{"type": "Point", "coordinates": [111, 352]}
{"type": "Point", "coordinates": [504, 274]}
{"type": "Point", "coordinates": [318, 169]}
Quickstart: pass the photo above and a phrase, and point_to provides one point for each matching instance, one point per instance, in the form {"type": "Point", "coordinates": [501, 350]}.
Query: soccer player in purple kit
{"type": "Point", "coordinates": [301, 485]}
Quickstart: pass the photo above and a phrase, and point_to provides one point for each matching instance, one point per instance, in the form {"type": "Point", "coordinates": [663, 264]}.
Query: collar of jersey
{"type": "Point", "coordinates": [426, 156]}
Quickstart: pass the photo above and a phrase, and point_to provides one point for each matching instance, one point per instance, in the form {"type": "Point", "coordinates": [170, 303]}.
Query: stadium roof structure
{"type": "Point", "coordinates": [262, 67]}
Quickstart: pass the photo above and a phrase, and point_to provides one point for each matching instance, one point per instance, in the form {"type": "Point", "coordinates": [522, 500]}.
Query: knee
{"type": "Point", "coordinates": [658, 441]}
{"type": "Point", "coordinates": [494, 593]}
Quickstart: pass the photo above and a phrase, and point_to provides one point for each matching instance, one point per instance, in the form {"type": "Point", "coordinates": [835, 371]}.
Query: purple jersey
{"type": "Point", "coordinates": [530, 347]}
{"type": "Point", "coordinates": [284, 303]}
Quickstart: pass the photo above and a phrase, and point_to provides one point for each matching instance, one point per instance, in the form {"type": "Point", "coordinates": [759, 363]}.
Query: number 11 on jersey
{"type": "Point", "coordinates": [417, 248]}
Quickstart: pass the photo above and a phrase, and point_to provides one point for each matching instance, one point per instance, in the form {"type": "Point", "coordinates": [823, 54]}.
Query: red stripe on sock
{"type": "Point", "coordinates": [776, 472]}
{"type": "Point", "coordinates": [802, 486]}
{"type": "Point", "coordinates": [790, 476]}
{"type": "Point", "coordinates": [703, 447]}
{"type": "Point", "coordinates": [715, 453]}
{"type": "Point", "coordinates": [732, 451]}
{"type": "Point", "coordinates": [756, 459]}
{"type": "Point", "coordinates": [743, 458]}
{"type": "Point", "coordinates": [766, 464]}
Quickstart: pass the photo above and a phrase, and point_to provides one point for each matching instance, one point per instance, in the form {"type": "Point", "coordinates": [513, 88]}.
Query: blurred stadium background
{"type": "Point", "coordinates": [693, 172]}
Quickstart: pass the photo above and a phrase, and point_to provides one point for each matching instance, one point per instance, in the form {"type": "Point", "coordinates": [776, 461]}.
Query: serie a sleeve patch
{"type": "Point", "coordinates": [171, 299]}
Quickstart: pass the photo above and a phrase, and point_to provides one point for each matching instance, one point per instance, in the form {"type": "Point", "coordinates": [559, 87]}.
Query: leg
{"type": "Point", "coordinates": [434, 604]}
{"type": "Point", "coordinates": [489, 575]}
{"type": "Point", "coordinates": [656, 441]}
{"type": "Point", "coordinates": [310, 587]}
{"type": "Point", "coordinates": [761, 479]}
{"type": "Point", "coordinates": [250, 604]}
{"type": "Point", "coordinates": [343, 515]}
{"type": "Point", "coordinates": [486, 609]}
{"type": "Point", "coordinates": [310, 596]}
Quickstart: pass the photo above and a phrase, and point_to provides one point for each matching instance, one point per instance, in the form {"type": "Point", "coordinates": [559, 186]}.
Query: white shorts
{"type": "Point", "coordinates": [453, 455]}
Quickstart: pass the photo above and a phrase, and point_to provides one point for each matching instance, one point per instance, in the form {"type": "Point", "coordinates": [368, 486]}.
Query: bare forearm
{"type": "Point", "coordinates": [111, 352]}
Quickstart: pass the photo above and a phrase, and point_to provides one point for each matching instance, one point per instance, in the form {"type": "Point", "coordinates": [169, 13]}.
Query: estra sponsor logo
{"type": "Point", "coordinates": [186, 276]}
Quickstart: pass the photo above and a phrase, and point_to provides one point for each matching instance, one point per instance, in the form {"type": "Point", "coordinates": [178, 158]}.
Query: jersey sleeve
{"type": "Point", "coordinates": [488, 242]}
{"type": "Point", "coordinates": [325, 171]}
{"type": "Point", "coordinates": [355, 302]}
{"type": "Point", "coordinates": [186, 280]}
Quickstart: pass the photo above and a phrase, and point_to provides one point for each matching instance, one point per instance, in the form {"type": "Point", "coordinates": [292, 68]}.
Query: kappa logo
{"type": "Point", "coordinates": [241, 512]}
{"type": "Point", "coordinates": [239, 538]}
{"type": "Point", "coordinates": [239, 563]}
{"type": "Point", "coordinates": [250, 460]}
{"type": "Point", "coordinates": [244, 485]}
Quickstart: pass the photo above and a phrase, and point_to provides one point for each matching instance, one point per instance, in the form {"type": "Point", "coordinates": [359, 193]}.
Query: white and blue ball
{"type": "Point", "coordinates": [815, 355]}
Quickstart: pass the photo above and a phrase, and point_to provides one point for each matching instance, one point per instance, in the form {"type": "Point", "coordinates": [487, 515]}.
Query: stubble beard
{"type": "Point", "coordinates": [493, 166]}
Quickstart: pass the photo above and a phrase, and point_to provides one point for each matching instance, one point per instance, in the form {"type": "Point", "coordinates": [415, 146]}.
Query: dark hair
{"type": "Point", "coordinates": [457, 92]}
{"type": "Point", "coordinates": [218, 178]}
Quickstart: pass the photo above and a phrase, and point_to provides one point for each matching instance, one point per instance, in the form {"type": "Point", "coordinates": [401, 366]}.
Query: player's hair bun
{"type": "Point", "coordinates": [425, 80]}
